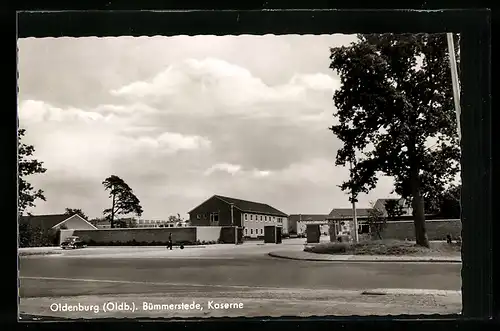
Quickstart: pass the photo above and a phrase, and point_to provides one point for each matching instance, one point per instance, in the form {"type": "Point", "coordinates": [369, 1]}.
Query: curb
{"type": "Point", "coordinates": [362, 260]}
{"type": "Point", "coordinates": [402, 291]}
{"type": "Point", "coordinates": [38, 253]}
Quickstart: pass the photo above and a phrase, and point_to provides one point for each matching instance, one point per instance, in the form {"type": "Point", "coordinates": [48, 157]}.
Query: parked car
{"type": "Point", "coordinates": [73, 242]}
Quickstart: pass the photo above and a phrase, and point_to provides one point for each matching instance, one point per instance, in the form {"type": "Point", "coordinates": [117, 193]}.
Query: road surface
{"type": "Point", "coordinates": [248, 275]}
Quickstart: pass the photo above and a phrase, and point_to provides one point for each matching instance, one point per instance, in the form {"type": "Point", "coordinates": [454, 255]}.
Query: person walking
{"type": "Point", "coordinates": [170, 244]}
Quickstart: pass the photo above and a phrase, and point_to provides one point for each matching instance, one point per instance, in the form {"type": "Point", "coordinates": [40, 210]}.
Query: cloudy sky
{"type": "Point", "coordinates": [183, 118]}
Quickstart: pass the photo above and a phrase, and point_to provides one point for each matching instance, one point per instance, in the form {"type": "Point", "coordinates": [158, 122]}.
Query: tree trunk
{"type": "Point", "coordinates": [418, 211]}
{"type": "Point", "coordinates": [113, 213]}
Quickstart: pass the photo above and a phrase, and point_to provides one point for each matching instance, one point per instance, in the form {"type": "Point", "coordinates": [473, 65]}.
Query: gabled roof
{"type": "Point", "coordinates": [250, 206]}
{"type": "Point", "coordinates": [45, 222]}
{"type": "Point", "coordinates": [307, 217]}
{"type": "Point", "coordinates": [380, 205]}
{"type": "Point", "coordinates": [338, 213]}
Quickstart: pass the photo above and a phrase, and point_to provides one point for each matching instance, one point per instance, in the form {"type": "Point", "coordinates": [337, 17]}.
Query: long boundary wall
{"type": "Point", "coordinates": [437, 229]}
{"type": "Point", "coordinates": [158, 236]}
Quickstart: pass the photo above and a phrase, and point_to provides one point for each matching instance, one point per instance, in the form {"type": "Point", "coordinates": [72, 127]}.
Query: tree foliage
{"type": "Point", "coordinates": [395, 97]}
{"type": "Point", "coordinates": [394, 209]}
{"type": "Point", "coordinates": [175, 218]}
{"type": "Point", "coordinates": [125, 223]}
{"type": "Point", "coordinates": [376, 221]}
{"type": "Point", "coordinates": [75, 211]}
{"type": "Point", "coordinates": [449, 202]}
{"type": "Point", "coordinates": [30, 236]}
{"type": "Point", "coordinates": [27, 166]}
{"type": "Point", "coordinates": [123, 198]}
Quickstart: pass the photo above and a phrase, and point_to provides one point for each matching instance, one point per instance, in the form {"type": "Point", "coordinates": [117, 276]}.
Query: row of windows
{"type": "Point", "coordinates": [107, 226]}
{"type": "Point", "coordinates": [263, 218]}
{"type": "Point", "coordinates": [254, 231]}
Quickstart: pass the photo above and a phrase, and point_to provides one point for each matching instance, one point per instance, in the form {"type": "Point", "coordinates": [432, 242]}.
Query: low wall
{"type": "Point", "coordinates": [139, 235]}
{"type": "Point", "coordinates": [155, 235]}
{"type": "Point", "coordinates": [436, 229]}
{"type": "Point", "coordinates": [208, 233]}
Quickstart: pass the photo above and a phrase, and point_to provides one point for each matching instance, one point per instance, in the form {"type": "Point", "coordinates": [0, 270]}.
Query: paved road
{"type": "Point", "coordinates": [131, 275]}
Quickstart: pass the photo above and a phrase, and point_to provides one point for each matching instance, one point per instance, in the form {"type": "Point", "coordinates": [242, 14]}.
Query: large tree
{"type": "Point", "coordinates": [396, 97]}
{"type": "Point", "coordinates": [75, 211]}
{"type": "Point", "coordinates": [27, 165]}
{"type": "Point", "coordinates": [449, 202]}
{"type": "Point", "coordinates": [123, 198]}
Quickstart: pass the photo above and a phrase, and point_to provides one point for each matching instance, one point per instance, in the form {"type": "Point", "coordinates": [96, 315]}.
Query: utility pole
{"type": "Point", "coordinates": [232, 224]}
{"type": "Point", "coordinates": [354, 216]}
{"type": "Point", "coordinates": [454, 80]}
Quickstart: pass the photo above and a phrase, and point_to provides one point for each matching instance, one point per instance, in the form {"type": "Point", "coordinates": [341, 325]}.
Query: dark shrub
{"type": "Point", "coordinates": [328, 248]}
{"type": "Point", "coordinates": [343, 238]}
{"type": "Point", "coordinates": [36, 237]}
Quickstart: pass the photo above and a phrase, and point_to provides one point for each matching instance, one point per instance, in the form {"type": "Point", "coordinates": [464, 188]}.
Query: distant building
{"type": "Point", "coordinates": [298, 222]}
{"type": "Point", "coordinates": [341, 220]}
{"type": "Point", "coordinates": [101, 223]}
{"type": "Point", "coordinates": [251, 216]}
{"type": "Point", "coordinates": [152, 224]}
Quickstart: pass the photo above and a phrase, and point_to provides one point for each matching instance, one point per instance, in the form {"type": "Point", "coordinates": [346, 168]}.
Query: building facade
{"type": "Point", "coordinates": [140, 223]}
{"type": "Point", "coordinates": [341, 221]}
{"type": "Point", "coordinates": [298, 223]}
{"type": "Point", "coordinates": [248, 215]}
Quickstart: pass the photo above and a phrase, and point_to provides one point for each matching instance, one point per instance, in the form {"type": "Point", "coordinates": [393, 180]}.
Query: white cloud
{"type": "Point", "coordinates": [39, 111]}
{"type": "Point", "coordinates": [211, 87]}
{"type": "Point", "coordinates": [316, 81]}
{"type": "Point", "coordinates": [262, 173]}
{"type": "Point", "coordinates": [223, 167]}
{"type": "Point", "coordinates": [91, 144]}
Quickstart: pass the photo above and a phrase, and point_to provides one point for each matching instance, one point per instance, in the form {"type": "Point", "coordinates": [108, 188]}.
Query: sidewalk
{"type": "Point", "coordinates": [256, 303]}
{"type": "Point", "coordinates": [307, 256]}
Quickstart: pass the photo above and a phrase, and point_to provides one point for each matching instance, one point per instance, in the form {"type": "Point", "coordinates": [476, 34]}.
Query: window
{"type": "Point", "coordinates": [246, 216]}
{"type": "Point", "coordinates": [261, 217]}
{"type": "Point", "coordinates": [265, 218]}
{"type": "Point", "coordinates": [251, 217]}
{"type": "Point", "coordinates": [214, 219]}
{"type": "Point", "coordinates": [251, 231]}
{"type": "Point", "coordinates": [364, 228]}
{"type": "Point", "coordinates": [246, 231]}
{"type": "Point", "coordinates": [198, 216]}
{"type": "Point", "coordinates": [261, 230]}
